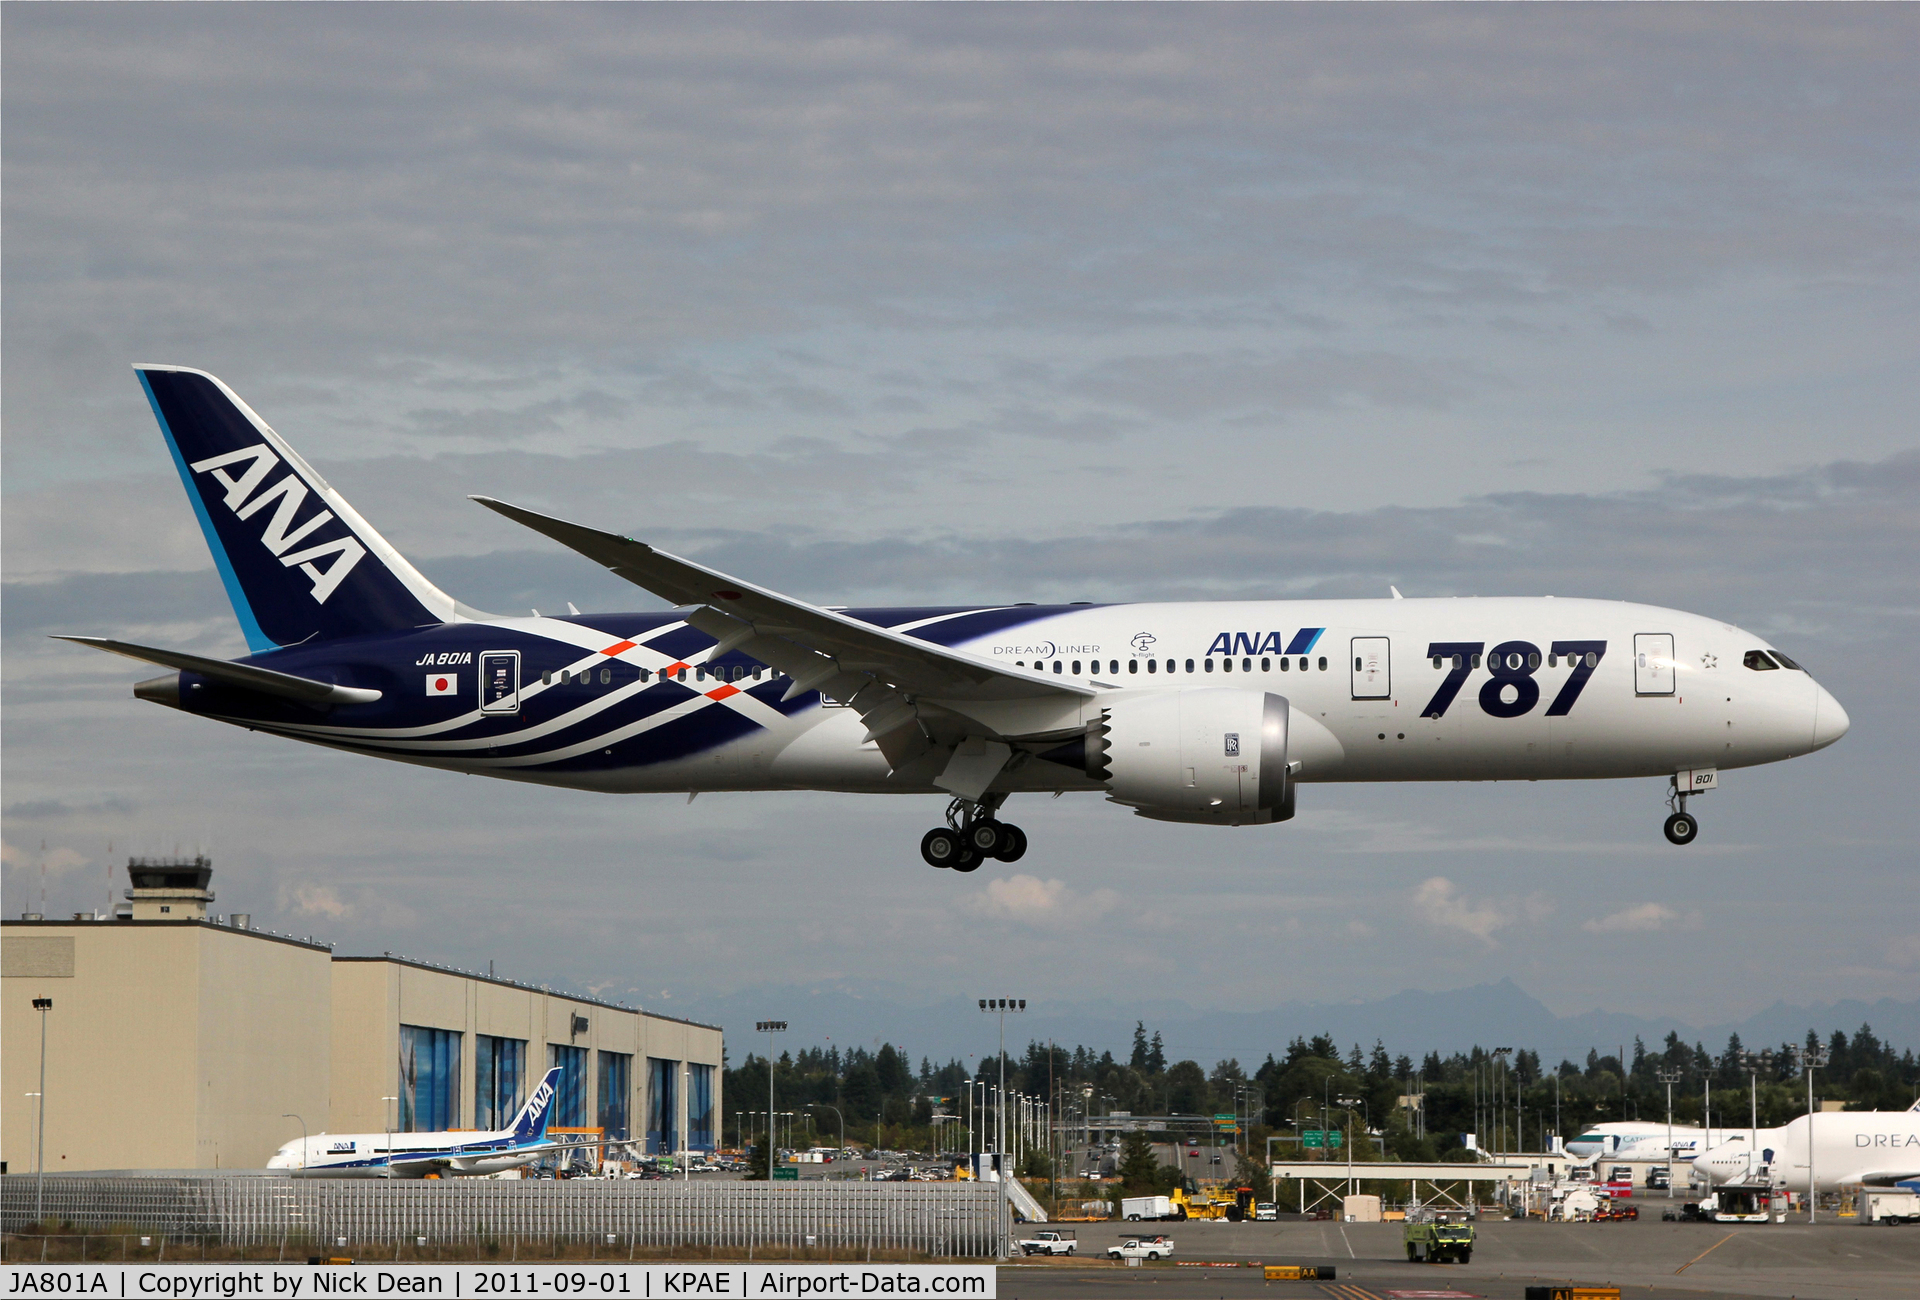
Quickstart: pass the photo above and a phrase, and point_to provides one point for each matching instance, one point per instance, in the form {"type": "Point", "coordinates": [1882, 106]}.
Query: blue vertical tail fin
{"type": "Point", "coordinates": [299, 563]}
{"type": "Point", "coordinates": [530, 1125]}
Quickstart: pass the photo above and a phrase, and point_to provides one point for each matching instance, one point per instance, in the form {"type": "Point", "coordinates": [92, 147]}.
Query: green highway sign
{"type": "Point", "coordinates": [786, 1175]}
{"type": "Point", "coordinates": [1228, 1119]}
{"type": "Point", "coordinates": [1320, 1137]}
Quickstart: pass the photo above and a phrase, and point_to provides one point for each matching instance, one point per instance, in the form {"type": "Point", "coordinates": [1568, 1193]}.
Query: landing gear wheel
{"type": "Point", "coordinates": [1013, 843]}
{"type": "Point", "coordinates": [1681, 828]}
{"type": "Point", "coordinates": [968, 859]}
{"type": "Point", "coordinates": [941, 847]}
{"type": "Point", "coordinates": [985, 837]}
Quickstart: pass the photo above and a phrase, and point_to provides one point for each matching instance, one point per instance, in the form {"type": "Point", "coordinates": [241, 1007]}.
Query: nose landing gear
{"type": "Point", "coordinates": [972, 835]}
{"type": "Point", "coordinates": [1681, 827]}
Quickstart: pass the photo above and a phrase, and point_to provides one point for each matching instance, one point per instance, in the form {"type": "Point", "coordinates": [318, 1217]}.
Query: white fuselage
{"type": "Point", "coordinates": [1635, 1140]}
{"type": "Point", "coordinates": [1667, 693]}
{"type": "Point", "coordinates": [406, 1155]}
{"type": "Point", "coordinates": [1849, 1147]}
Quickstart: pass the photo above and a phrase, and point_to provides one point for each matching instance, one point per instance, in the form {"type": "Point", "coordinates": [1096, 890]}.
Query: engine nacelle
{"type": "Point", "coordinates": [1214, 755]}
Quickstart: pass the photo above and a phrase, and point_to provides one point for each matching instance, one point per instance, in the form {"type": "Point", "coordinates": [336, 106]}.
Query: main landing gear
{"type": "Point", "coordinates": [1681, 827]}
{"type": "Point", "coordinates": [972, 835]}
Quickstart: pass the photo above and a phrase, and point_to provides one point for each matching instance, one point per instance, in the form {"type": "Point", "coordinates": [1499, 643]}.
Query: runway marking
{"type": "Point", "coordinates": [1703, 1254]}
{"type": "Point", "coordinates": [1347, 1291]}
{"type": "Point", "coordinates": [1343, 1231]}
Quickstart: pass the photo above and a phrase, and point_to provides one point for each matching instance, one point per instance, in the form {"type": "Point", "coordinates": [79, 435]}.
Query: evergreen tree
{"type": "Point", "coordinates": [1139, 1060]}
{"type": "Point", "coordinates": [1156, 1055]}
{"type": "Point", "coordinates": [1139, 1167]}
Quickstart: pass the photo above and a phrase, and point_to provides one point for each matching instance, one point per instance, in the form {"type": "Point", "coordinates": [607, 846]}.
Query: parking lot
{"type": "Point", "coordinates": [1827, 1261]}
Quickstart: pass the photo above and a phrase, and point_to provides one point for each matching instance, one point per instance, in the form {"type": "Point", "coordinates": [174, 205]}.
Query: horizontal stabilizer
{"type": "Point", "coordinates": [265, 680]}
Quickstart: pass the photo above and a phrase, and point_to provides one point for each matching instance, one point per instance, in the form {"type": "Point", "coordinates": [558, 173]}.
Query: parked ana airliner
{"type": "Point", "coordinates": [454, 1152]}
{"type": "Point", "coordinates": [1206, 712]}
{"type": "Point", "coordinates": [1874, 1148]}
{"type": "Point", "coordinates": [1639, 1140]}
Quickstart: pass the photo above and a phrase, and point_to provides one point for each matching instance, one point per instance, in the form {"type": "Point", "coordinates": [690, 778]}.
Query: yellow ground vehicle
{"type": "Point", "coordinates": [1234, 1204]}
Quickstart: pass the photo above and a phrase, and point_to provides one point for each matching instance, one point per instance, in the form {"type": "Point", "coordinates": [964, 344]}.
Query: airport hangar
{"type": "Point", "coordinates": [177, 1040]}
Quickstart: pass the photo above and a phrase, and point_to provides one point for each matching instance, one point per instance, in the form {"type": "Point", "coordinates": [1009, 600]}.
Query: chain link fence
{"type": "Point", "coordinates": [968, 1220]}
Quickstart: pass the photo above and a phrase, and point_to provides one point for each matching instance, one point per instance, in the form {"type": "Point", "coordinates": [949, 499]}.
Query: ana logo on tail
{"type": "Point", "coordinates": [281, 535]}
{"type": "Point", "coordinates": [532, 1121]}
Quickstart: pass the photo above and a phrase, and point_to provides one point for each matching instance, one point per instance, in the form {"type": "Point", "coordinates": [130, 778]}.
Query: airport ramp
{"type": "Point", "coordinates": [1023, 1203]}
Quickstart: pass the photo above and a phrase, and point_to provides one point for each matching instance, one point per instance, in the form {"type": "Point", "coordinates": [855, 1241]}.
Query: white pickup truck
{"type": "Point", "coordinates": [1048, 1243]}
{"type": "Point", "coordinates": [1142, 1248]}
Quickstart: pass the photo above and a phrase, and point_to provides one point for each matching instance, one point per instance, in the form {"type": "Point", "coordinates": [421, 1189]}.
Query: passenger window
{"type": "Point", "coordinates": [1786, 662]}
{"type": "Point", "coordinates": [1476, 661]}
{"type": "Point", "coordinates": [646, 675]}
{"type": "Point", "coordinates": [1553, 661]}
{"type": "Point", "coordinates": [1266, 665]}
{"type": "Point", "coordinates": [1113, 666]}
{"type": "Point", "coordinates": [1533, 659]}
{"type": "Point", "coordinates": [1190, 665]}
{"type": "Point", "coordinates": [1246, 665]}
{"type": "Point", "coordinates": [1133, 665]}
{"type": "Point", "coordinates": [680, 676]}
{"type": "Point", "coordinates": [606, 676]}
{"type": "Point", "coordinates": [1286, 665]}
{"type": "Point", "coordinates": [1436, 661]}
{"type": "Point", "coordinates": [1209, 663]}
{"type": "Point", "coordinates": [1323, 663]}
{"type": "Point", "coordinates": [1151, 665]}
{"type": "Point", "coordinates": [1758, 661]}
{"type": "Point", "coordinates": [1593, 660]}
{"type": "Point", "coordinates": [1226, 665]}
{"type": "Point", "coordinates": [546, 678]}
{"type": "Point", "coordinates": [1057, 667]}
{"type": "Point", "coordinates": [1076, 668]}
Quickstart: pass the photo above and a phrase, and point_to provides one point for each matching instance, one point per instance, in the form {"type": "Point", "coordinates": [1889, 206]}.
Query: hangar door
{"type": "Point", "coordinates": [1370, 679]}
{"type": "Point", "coordinates": [1653, 663]}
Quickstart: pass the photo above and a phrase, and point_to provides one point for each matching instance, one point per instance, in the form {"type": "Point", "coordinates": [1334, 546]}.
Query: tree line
{"type": "Point", "coordinates": [1390, 1106]}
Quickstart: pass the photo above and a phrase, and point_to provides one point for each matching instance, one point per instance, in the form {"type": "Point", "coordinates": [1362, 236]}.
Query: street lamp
{"type": "Point", "coordinates": [1349, 1103]}
{"type": "Point", "coordinates": [1000, 1007]}
{"type": "Point", "coordinates": [287, 1114]}
{"type": "Point", "coordinates": [843, 1120]}
{"type": "Point", "coordinates": [770, 1028]}
{"type": "Point", "coordinates": [1811, 1059]}
{"type": "Point", "coordinates": [43, 1006]}
{"type": "Point", "coordinates": [1500, 1055]}
{"type": "Point", "coordinates": [1669, 1077]}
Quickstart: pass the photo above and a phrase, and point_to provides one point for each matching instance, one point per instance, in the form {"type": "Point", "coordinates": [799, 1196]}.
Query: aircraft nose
{"type": "Point", "coordinates": [1830, 721]}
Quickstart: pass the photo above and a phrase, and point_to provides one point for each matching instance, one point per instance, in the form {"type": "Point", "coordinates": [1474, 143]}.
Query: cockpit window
{"type": "Point", "coordinates": [1758, 661]}
{"type": "Point", "coordinates": [1786, 662]}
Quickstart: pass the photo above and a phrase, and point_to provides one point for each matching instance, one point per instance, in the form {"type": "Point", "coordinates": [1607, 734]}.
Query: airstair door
{"type": "Point", "coordinates": [1653, 663]}
{"type": "Point", "coordinates": [1370, 673]}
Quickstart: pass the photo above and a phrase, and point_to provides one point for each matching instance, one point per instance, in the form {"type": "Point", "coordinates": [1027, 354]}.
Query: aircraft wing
{"type": "Point", "coordinates": [1889, 1177]}
{"type": "Point", "coordinates": [884, 675]}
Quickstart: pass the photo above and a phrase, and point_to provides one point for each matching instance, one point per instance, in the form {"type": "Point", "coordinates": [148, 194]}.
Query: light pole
{"type": "Point", "coordinates": [1000, 1007]}
{"type": "Point", "coordinates": [770, 1028]}
{"type": "Point", "coordinates": [1500, 1055]}
{"type": "Point", "coordinates": [1754, 1063]}
{"type": "Point", "coordinates": [390, 1124]}
{"type": "Point", "coordinates": [1811, 1059]}
{"type": "Point", "coordinates": [1669, 1076]}
{"type": "Point", "coordinates": [43, 1006]}
{"type": "Point", "coordinates": [843, 1120]}
{"type": "Point", "coordinates": [1348, 1103]}
{"type": "Point", "coordinates": [287, 1114]}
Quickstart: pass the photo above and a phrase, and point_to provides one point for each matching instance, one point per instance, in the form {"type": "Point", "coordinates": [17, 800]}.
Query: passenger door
{"type": "Point", "coordinates": [500, 681]}
{"type": "Point", "coordinates": [1370, 668]}
{"type": "Point", "coordinates": [1653, 663]}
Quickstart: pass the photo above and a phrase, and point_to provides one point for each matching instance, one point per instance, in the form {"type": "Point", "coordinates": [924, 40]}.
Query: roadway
{"type": "Point", "coordinates": [1826, 1261]}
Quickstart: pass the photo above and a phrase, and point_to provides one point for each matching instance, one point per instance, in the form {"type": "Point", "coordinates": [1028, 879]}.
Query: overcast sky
{"type": "Point", "coordinates": [985, 303]}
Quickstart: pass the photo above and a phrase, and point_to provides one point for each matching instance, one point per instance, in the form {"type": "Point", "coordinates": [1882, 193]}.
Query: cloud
{"type": "Point", "coordinates": [1438, 902]}
{"type": "Point", "coordinates": [320, 900]}
{"type": "Point", "coordinates": [1032, 901]}
{"type": "Point", "coordinates": [1646, 916]}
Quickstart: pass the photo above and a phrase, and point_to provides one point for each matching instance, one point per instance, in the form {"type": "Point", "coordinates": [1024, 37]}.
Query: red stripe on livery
{"type": "Point", "coordinates": [618, 647]}
{"type": "Point", "coordinates": [723, 692]}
